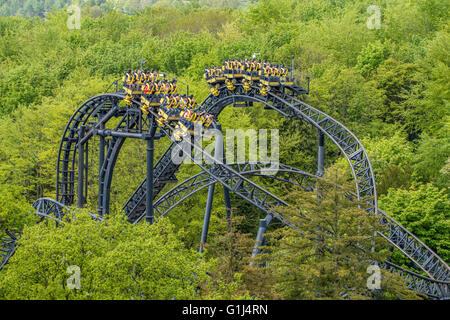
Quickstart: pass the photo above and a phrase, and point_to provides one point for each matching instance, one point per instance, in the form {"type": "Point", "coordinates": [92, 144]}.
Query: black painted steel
{"type": "Point", "coordinates": [164, 171]}
{"type": "Point", "coordinates": [8, 246]}
{"type": "Point", "coordinates": [200, 181]}
{"type": "Point", "coordinates": [434, 289]}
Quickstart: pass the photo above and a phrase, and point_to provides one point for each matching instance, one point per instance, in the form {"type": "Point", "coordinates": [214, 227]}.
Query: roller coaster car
{"type": "Point", "coordinates": [179, 133]}
{"type": "Point", "coordinates": [133, 89]}
{"type": "Point", "coordinates": [216, 79]}
{"type": "Point", "coordinates": [215, 90]}
{"type": "Point", "coordinates": [151, 100]}
{"type": "Point", "coordinates": [247, 85]}
{"type": "Point", "coordinates": [219, 79]}
{"type": "Point", "coordinates": [271, 81]}
{"type": "Point", "coordinates": [287, 83]}
{"type": "Point", "coordinates": [208, 121]}
{"type": "Point", "coordinates": [230, 84]}
{"type": "Point", "coordinates": [169, 114]}
{"type": "Point", "coordinates": [188, 119]}
{"type": "Point", "coordinates": [264, 90]}
{"type": "Point", "coordinates": [251, 76]}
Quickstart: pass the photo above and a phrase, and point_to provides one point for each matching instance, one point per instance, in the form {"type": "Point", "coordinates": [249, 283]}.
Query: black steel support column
{"type": "Point", "coordinates": [81, 169]}
{"type": "Point", "coordinates": [226, 192]}
{"type": "Point", "coordinates": [321, 154]}
{"type": "Point", "coordinates": [207, 218]}
{"type": "Point", "coordinates": [218, 155]}
{"type": "Point", "coordinates": [150, 214]}
{"type": "Point", "coordinates": [260, 238]}
{"type": "Point", "coordinates": [101, 160]}
{"type": "Point", "coordinates": [86, 171]}
{"type": "Point", "coordinates": [226, 196]}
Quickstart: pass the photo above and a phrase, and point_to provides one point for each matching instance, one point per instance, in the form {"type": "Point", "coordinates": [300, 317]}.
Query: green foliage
{"type": "Point", "coordinates": [425, 211]}
{"type": "Point", "coordinates": [233, 250]}
{"type": "Point", "coordinates": [117, 261]}
{"type": "Point", "coordinates": [371, 57]}
{"type": "Point", "coordinates": [389, 86]}
{"type": "Point", "coordinates": [327, 255]}
{"type": "Point", "coordinates": [391, 160]}
{"type": "Point", "coordinates": [430, 157]}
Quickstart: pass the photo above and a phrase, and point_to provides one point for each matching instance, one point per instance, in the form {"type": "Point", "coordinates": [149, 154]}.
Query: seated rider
{"type": "Point", "coordinates": [149, 88]}
{"type": "Point", "coordinates": [155, 76]}
{"type": "Point", "coordinates": [183, 102]}
{"type": "Point", "coordinates": [206, 75]}
{"type": "Point", "coordinates": [158, 88]}
{"type": "Point", "coordinates": [191, 101]}
{"type": "Point", "coordinates": [129, 79]}
{"type": "Point", "coordinates": [177, 101]}
{"type": "Point", "coordinates": [143, 77]}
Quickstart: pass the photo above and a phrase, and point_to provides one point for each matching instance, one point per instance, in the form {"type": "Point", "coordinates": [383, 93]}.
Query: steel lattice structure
{"type": "Point", "coordinates": [91, 118]}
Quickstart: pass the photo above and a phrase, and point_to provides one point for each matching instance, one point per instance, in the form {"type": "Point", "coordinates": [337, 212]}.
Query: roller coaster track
{"type": "Point", "coordinates": [8, 247]}
{"type": "Point", "coordinates": [51, 209]}
{"type": "Point", "coordinates": [81, 128]}
{"type": "Point", "coordinates": [200, 181]}
{"type": "Point", "coordinates": [435, 289]}
{"type": "Point", "coordinates": [398, 236]}
{"type": "Point", "coordinates": [356, 155]}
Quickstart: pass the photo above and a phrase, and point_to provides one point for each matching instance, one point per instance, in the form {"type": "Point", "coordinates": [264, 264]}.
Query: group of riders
{"type": "Point", "coordinates": [248, 69]}
{"type": "Point", "coordinates": [162, 93]}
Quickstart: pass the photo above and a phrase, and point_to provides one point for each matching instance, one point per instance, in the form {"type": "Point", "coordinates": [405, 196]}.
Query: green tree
{"type": "Point", "coordinates": [425, 211]}
{"type": "Point", "coordinates": [327, 255]}
{"type": "Point", "coordinates": [233, 251]}
{"type": "Point", "coordinates": [371, 57]}
{"type": "Point", "coordinates": [117, 261]}
{"type": "Point", "coordinates": [391, 159]}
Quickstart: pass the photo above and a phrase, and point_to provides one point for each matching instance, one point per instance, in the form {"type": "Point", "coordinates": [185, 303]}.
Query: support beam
{"type": "Point", "coordinates": [86, 171]}
{"type": "Point", "coordinates": [150, 214]}
{"type": "Point", "coordinates": [321, 155]}
{"type": "Point", "coordinates": [119, 134]}
{"type": "Point", "coordinates": [226, 192]}
{"type": "Point", "coordinates": [81, 171]}
{"type": "Point", "coordinates": [207, 217]}
{"type": "Point", "coordinates": [218, 155]}
{"type": "Point", "coordinates": [101, 160]}
{"type": "Point", "coordinates": [226, 196]}
{"type": "Point", "coordinates": [260, 238]}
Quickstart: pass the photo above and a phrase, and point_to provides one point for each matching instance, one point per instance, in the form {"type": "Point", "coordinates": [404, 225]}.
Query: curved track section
{"type": "Point", "coordinates": [435, 289]}
{"type": "Point", "coordinates": [106, 104]}
{"type": "Point", "coordinates": [51, 209]}
{"type": "Point", "coordinates": [8, 246]}
{"type": "Point", "coordinates": [414, 249]}
{"type": "Point", "coordinates": [291, 107]}
{"type": "Point", "coordinates": [398, 236]}
{"type": "Point", "coordinates": [357, 157]}
{"type": "Point", "coordinates": [200, 181]}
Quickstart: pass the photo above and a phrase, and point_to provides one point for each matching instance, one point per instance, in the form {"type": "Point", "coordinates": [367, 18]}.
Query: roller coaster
{"type": "Point", "coordinates": [148, 108]}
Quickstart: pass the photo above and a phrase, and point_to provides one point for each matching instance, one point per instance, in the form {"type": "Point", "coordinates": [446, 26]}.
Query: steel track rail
{"type": "Point", "coordinates": [357, 157]}
{"type": "Point", "coordinates": [200, 181]}
{"type": "Point", "coordinates": [407, 243]}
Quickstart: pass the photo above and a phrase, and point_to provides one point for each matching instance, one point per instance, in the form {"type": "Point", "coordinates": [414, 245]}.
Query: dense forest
{"type": "Point", "coordinates": [96, 7]}
{"type": "Point", "coordinates": [388, 85]}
